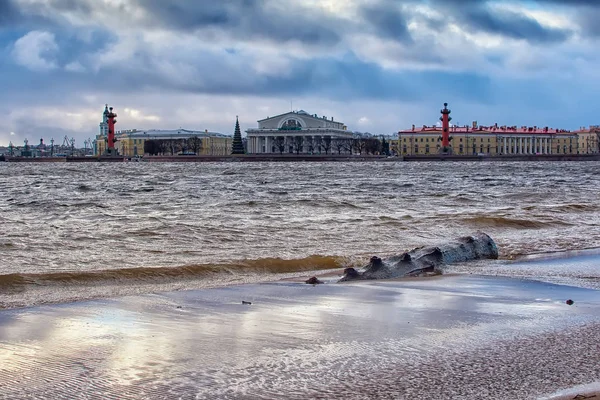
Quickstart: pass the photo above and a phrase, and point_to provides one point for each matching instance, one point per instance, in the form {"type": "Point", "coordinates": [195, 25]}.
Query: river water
{"type": "Point", "coordinates": [102, 224]}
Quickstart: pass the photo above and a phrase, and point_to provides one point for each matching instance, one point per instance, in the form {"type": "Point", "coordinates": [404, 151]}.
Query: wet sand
{"type": "Point", "coordinates": [460, 336]}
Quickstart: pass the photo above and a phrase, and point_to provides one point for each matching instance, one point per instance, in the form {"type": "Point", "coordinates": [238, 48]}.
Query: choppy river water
{"type": "Point", "coordinates": [150, 222]}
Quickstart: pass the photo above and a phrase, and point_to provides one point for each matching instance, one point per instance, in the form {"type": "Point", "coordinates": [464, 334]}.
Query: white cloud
{"type": "Point", "coordinates": [75, 66]}
{"type": "Point", "coordinates": [136, 115]}
{"type": "Point", "coordinates": [35, 51]}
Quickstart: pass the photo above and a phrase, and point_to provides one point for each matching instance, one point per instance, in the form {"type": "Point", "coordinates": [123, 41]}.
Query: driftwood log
{"type": "Point", "coordinates": [424, 261]}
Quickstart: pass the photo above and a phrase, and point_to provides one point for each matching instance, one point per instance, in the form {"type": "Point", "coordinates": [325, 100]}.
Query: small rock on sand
{"type": "Point", "coordinates": [313, 281]}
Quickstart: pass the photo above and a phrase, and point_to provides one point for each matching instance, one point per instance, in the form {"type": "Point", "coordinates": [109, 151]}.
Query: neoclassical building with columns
{"type": "Point", "coordinates": [499, 140]}
{"type": "Point", "coordinates": [297, 132]}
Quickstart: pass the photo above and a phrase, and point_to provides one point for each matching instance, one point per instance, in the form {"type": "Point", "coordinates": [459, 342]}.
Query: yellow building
{"type": "Point", "coordinates": [498, 140]}
{"type": "Point", "coordinates": [133, 143]}
{"type": "Point", "coordinates": [588, 142]}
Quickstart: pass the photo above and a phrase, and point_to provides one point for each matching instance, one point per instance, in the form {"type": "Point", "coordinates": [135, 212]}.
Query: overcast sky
{"type": "Point", "coordinates": [376, 65]}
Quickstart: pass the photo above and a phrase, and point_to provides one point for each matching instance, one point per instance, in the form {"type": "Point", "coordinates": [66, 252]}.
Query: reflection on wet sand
{"type": "Point", "coordinates": [446, 337]}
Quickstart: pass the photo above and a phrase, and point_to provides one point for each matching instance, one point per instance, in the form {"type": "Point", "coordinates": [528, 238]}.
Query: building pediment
{"type": "Point", "coordinates": [299, 120]}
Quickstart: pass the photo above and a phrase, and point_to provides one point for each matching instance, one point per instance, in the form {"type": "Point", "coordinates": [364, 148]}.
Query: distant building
{"type": "Point", "coordinates": [133, 143]}
{"type": "Point", "coordinates": [498, 140]}
{"type": "Point", "coordinates": [104, 124]}
{"type": "Point", "coordinates": [296, 132]}
{"type": "Point", "coordinates": [589, 139]}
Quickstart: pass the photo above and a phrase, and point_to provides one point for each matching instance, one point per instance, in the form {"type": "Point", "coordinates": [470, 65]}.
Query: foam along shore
{"type": "Point", "coordinates": [455, 336]}
{"type": "Point", "coordinates": [580, 392]}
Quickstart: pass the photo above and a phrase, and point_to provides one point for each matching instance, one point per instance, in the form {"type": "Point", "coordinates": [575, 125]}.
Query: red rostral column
{"type": "Point", "coordinates": [445, 118]}
{"type": "Point", "coordinates": [110, 119]}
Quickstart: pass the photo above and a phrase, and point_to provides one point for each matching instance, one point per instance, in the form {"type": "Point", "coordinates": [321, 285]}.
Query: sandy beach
{"type": "Point", "coordinates": [457, 336]}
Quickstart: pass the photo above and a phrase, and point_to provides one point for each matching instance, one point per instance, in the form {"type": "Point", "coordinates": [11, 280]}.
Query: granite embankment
{"type": "Point", "coordinates": [308, 157]}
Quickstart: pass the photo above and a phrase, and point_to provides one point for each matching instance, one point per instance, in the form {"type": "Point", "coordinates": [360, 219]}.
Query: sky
{"type": "Point", "coordinates": [377, 65]}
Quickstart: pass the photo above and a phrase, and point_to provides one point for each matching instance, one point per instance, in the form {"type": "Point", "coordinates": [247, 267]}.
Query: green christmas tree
{"type": "Point", "coordinates": [237, 147]}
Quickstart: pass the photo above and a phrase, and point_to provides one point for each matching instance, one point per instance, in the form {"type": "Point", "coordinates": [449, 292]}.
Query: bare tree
{"type": "Point", "coordinates": [372, 146]}
{"type": "Point", "coordinates": [310, 144]}
{"type": "Point", "coordinates": [279, 143]}
{"type": "Point", "coordinates": [349, 145]}
{"type": "Point", "coordinates": [338, 144]}
{"type": "Point", "coordinates": [152, 147]}
{"type": "Point", "coordinates": [195, 144]}
{"type": "Point", "coordinates": [298, 142]}
{"type": "Point", "coordinates": [318, 143]}
{"type": "Point", "coordinates": [173, 146]}
{"type": "Point", "coordinates": [326, 144]}
{"type": "Point", "coordinates": [163, 146]}
{"type": "Point", "coordinates": [359, 144]}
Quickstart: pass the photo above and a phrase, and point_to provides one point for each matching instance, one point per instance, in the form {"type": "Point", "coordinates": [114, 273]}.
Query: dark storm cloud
{"type": "Point", "coordinates": [9, 13]}
{"type": "Point", "coordinates": [245, 19]}
{"type": "Point", "coordinates": [80, 6]}
{"type": "Point", "coordinates": [389, 22]}
{"type": "Point", "coordinates": [477, 16]}
{"type": "Point", "coordinates": [513, 25]}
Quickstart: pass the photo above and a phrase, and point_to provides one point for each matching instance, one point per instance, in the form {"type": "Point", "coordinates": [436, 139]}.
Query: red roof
{"type": "Point", "coordinates": [489, 129]}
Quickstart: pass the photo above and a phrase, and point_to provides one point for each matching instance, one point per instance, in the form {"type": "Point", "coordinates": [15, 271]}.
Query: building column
{"type": "Point", "coordinates": [544, 146]}
{"type": "Point", "coordinates": [530, 145]}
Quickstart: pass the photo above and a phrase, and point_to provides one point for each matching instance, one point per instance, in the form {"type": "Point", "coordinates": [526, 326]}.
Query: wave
{"type": "Point", "coordinates": [327, 203]}
{"type": "Point", "coordinates": [162, 274]}
{"type": "Point", "coordinates": [85, 188]}
{"type": "Point", "coordinates": [516, 223]}
{"type": "Point", "coordinates": [563, 207]}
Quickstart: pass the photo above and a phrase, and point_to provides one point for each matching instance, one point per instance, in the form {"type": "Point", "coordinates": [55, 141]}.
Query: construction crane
{"type": "Point", "coordinates": [67, 148]}
{"type": "Point", "coordinates": [88, 146]}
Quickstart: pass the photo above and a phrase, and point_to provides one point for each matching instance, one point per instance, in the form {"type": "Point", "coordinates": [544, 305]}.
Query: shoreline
{"type": "Point", "coordinates": [569, 268]}
{"type": "Point", "coordinates": [462, 336]}
{"type": "Point", "coordinates": [309, 158]}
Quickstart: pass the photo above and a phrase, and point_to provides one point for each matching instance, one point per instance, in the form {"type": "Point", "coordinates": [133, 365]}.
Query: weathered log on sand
{"type": "Point", "coordinates": [426, 260]}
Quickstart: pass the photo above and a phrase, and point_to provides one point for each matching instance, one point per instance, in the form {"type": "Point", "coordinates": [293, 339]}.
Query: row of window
{"type": "Point", "coordinates": [511, 140]}
{"type": "Point", "coordinates": [481, 149]}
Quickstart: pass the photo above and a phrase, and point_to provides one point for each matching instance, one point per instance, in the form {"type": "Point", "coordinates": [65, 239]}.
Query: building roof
{"type": "Point", "coordinates": [494, 129]}
{"type": "Point", "coordinates": [591, 129]}
{"type": "Point", "coordinates": [183, 133]}
{"type": "Point", "coordinates": [303, 114]}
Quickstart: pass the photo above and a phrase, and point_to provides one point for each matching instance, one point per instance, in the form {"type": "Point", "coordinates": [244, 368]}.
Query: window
{"type": "Point", "coordinates": [291, 124]}
{"type": "Point", "coordinates": [426, 149]}
{"type": "Point", "coordinates": [416, 149]}
{"type": "Point", "coordinates": [460, 148]}
{"type": "Point", "coordinates": [404, 149]}
{"type": "Point", "coordinates": [461, 139]}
